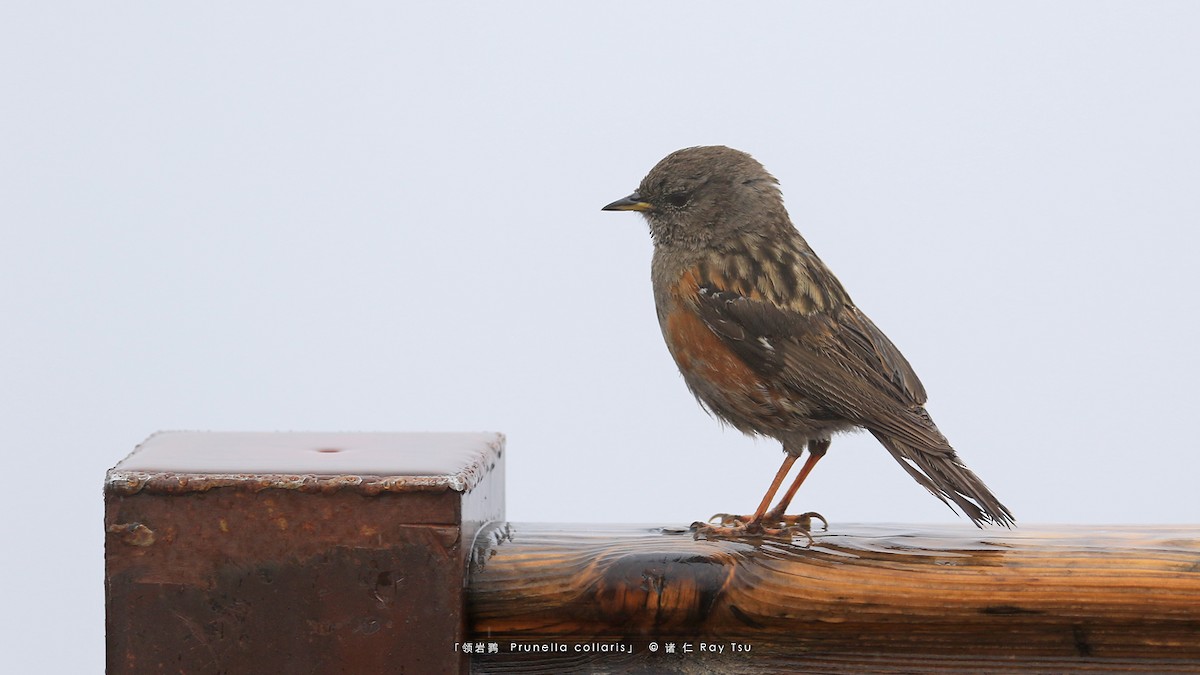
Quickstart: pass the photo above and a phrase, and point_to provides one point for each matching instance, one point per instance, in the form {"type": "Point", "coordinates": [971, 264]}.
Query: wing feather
{"type": "Point", "coordinates": [845, 363]}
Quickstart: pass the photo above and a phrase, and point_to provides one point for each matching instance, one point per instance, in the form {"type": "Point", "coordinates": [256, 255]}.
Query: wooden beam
{"type": "Point", "coordinates": [859, 597]}
{"type": "Point", "coordinates": [295, 552]}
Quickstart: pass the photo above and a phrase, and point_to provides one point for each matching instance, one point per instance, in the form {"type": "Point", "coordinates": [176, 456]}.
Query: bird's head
{"type": "Point", "coordinates": [705, 194]}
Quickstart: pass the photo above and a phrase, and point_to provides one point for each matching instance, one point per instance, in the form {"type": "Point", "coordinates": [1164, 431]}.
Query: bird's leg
{"type": "Point", "coordinates": [788, 461]}
{"type": "Point", "coordinates": [816, 450]}
{"type": "Point", "coordinates": [753, 521]}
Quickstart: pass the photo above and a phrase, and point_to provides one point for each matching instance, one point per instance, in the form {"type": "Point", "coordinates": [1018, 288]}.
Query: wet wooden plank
{"type": "Point", "coordinates": [861, 597]}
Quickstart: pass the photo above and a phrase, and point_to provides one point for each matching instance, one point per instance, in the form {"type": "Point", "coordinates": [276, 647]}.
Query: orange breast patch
{"type": "Point", "coordinates": [701, 352]}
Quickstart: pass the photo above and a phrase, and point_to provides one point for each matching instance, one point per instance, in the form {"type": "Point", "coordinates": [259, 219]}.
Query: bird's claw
{"type": "Point", "coordinates": [802, 521]}
{"type": "Point", "coordinates": [728, 519]}
{"type": "Point", "coordinates": [783, 527]}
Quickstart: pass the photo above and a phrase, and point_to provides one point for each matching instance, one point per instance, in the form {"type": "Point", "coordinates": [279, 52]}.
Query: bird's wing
{"type": "Point", "coordinates": [839, 359]}
{"type": "Point", "coordinates": [842, 362]}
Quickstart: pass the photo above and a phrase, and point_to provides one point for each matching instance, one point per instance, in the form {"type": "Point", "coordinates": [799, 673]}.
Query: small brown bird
{"type": "Point", "coordinates": [769, 341]}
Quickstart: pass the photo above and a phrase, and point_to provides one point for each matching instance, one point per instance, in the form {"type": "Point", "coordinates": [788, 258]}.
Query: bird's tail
{"type": "Point", "coordinates": [941, 472]}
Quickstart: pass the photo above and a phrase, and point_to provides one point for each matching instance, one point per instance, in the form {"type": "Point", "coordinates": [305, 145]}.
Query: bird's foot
{"type": "Point", "coordinates": [803, 521]}
{"type": "Point", "coordinates": [771, 520]}
{"type": "Point", "coordinates": [771, 526]}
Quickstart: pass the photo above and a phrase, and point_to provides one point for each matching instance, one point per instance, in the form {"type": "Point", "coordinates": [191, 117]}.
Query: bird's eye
{"type": "Point", "coordinates": [677, 198]}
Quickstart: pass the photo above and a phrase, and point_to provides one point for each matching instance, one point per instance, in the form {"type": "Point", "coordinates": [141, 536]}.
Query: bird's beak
{"type": "Point", "coordinates": [631, 203]}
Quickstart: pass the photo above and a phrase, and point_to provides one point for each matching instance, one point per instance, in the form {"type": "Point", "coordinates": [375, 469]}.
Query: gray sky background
{"type": "Point", "coordinates": [362, 216]}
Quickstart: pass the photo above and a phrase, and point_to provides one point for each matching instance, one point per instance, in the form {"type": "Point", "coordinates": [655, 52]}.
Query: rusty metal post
{"type": "Point", "coordinates": [295, 552]}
